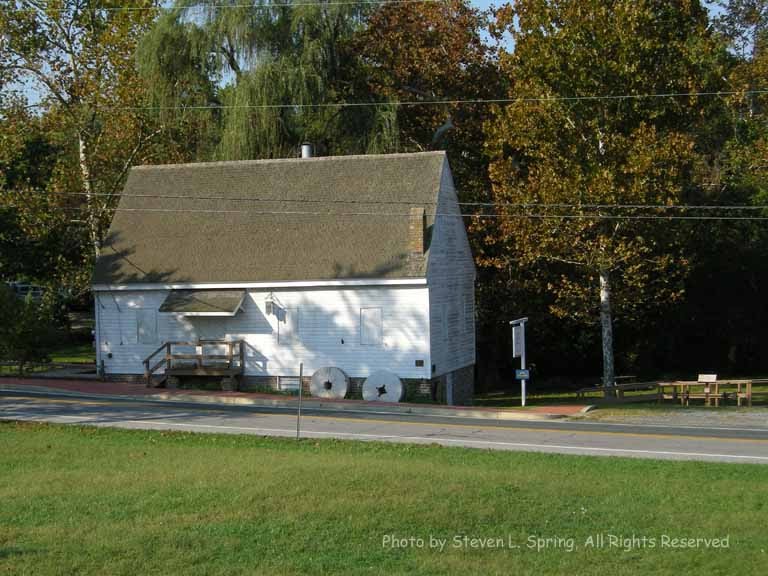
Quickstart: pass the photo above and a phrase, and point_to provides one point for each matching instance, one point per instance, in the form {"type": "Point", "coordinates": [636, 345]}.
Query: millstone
{"type": "Point", "coordinates": [383, 386]}
{"type": "Point", "coordinates": [329, 382]}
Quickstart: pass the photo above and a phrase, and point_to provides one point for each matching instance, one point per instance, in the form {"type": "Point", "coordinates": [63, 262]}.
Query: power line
{"type": "Point", "coordinates": [214, 6]}
{"type": "Point", "coordinates": [432, 214]}
{"type": "Point", "coordinates": [416, 203]}
{"type": "Point", "coordinates": [452, 102]}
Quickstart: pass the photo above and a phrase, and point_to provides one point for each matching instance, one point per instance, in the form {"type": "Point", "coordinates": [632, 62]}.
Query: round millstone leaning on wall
{"type": "Point", "coordinates": [329, 382]}
{"type": "Point", "coordinates": [383, 386]}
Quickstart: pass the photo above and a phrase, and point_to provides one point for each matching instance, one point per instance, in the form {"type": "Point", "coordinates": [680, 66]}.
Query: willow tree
{"type": "Point", "coordinates": [271, 75]}
{"type": "Point", "coordinates": [570, 140]}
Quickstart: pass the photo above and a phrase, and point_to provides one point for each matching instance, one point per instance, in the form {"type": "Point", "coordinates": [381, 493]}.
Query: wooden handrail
{"type": "Point", "coordinates": [198, 356]}
{"type": "Point", "coordinates": [148, 358]}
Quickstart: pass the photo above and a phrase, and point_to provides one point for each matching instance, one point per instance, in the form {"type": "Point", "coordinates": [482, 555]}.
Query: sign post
{"type": "Point", "coordinates": [518, 351]}
{"type": "Point", "coordinates": [298, 413]}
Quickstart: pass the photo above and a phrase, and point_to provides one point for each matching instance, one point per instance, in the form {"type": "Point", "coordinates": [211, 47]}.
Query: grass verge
{"type": "Point", "coordinates": [511, 399]}
{"type": "Point", "coordinates": [80, 500]}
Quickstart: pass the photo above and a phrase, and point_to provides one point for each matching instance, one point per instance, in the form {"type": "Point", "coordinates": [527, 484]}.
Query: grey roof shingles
{"type": "Point", "coordinates": [190, 240]}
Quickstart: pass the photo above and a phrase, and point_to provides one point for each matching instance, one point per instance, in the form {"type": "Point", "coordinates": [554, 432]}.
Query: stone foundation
{"type": "Point", "coordinates": [258, 384]}
{"type": "Point", "coordinates": [124, 378]}
{"type": "Point", "coordinates": [463, 382]}
{"type": "Point", "coordinates": [416, 389]}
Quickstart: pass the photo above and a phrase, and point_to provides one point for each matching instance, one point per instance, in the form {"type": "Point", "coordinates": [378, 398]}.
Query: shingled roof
{"type": "Point", "coordinates": [248, 221]}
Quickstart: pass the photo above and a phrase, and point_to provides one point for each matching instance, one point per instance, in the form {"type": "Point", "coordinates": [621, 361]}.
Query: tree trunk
{"type": "Point", "coordinates": [607, 329]}
{"type": "Point", "coordinates": [92, 217]}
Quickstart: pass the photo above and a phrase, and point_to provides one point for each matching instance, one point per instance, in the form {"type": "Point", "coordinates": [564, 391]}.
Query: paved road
{"type": "Point", "coordinates": [726, 444]}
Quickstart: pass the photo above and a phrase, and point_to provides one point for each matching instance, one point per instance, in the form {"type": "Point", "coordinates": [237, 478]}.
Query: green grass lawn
{"type": "Point", "coordinates": [74, 353]}
{"type": "Point", "coordinates": [97, 501]}
{"type": "Point", "coordinates": [68, 353]}
{"type": "Point", "coordinates": [13, 369]}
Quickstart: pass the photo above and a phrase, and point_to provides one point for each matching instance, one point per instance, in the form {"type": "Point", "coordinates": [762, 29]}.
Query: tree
{"type": "Point", "coordinates": [38, 240]}
{"type": "Point", "coordinates": [725, 312]}
{"type": "Point", "coordinates": [28, 330]}
{"type": "Point", "coordinates": [557, 145]}
{"type": "Point", "coordinates": [79, 55]}
{"type": "Point", "coordinates": [270, 76]}
{"type": "Point", "coordinates": [745, 25]}
{"type": "Point", "coordinates": [430, 52]}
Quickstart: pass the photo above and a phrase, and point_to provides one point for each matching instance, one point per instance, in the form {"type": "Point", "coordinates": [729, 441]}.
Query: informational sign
{"type": "Point", "coordinates": [518, 351]}
{"type": "Point", "coordinates": [518, 340]}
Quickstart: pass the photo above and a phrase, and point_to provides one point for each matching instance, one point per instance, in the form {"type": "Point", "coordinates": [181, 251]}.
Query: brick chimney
{"type": "Point", "coordinates": [416, 231]}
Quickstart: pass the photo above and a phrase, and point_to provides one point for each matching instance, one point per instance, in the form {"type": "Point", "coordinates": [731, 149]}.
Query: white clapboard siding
{"type": "Point", "coordinates": [323, 329]}
{"type": "Point", "coordinates": [451, 282]}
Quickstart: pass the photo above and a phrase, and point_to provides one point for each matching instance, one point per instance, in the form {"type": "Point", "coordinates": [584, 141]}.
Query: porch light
{"type": "Point", "coordinates": [272, 305]}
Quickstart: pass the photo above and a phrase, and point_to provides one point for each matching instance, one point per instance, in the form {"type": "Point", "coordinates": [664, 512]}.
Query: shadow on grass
{"type": "Point", "coordinates": [13, 551]}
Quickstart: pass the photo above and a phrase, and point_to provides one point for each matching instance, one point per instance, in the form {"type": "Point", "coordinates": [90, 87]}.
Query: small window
{"type": "Point", "coordinates": [146, 326]}
{"type": "Point", "coordinates": [370, 326]}
{"type": "Point", "coordinates": [469, 313]}
{"type": "Point", "coordinates": [444, 321]}
{"type": "Point", "coordinates": [287, 325]}
{"type": "Point", "coordinates": [129, 329]}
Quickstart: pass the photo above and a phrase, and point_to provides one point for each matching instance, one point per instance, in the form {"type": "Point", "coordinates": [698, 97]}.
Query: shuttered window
{"type": "Point", "coordinates": [146, 326]}
{"type": "Point", "coordinates": [370, 326]}
{"type": "Point", "coordinates": [128, 320]}
{"type": "Point", "coordinates": [288, 325]}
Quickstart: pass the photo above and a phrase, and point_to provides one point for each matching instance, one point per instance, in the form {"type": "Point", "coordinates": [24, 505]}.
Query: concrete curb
{"type": "Point", "coordinates": [370, 408]}
{"type": "Point", "coordinates": [307, 404]}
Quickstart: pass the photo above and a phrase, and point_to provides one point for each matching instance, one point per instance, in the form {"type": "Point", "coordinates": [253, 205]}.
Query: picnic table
{"type": "Point", "coordinates": [707, 388]}
{"type": "Point", "coordinates": [709, 391]}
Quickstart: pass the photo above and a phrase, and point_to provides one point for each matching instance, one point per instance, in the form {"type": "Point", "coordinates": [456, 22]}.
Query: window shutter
{"type": "Point", "coordinates": [146, 326]}
{"type": "Point", "coordinates": [371, 326]}
{"type": "Point", "coordinates": [288, 325]}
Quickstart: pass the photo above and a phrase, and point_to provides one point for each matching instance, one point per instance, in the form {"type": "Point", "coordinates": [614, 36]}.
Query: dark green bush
{"type": "Point", "coordinates": [28, 328]}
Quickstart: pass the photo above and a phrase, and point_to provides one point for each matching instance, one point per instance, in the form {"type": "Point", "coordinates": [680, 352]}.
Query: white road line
{"type": "Point", "coordinates": [292, 410]}
{"type": "Point", "coordinates": [433, 439]}
{"type": "Point", "coordinates": [461, 441]}
{"type": "Point", "coordinates": [621, 425]}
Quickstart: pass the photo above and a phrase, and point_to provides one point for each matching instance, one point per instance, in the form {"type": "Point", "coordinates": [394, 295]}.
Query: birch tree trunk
{"type": "Point", "coordinates": [607, 329]}
{"type": "Point", "coordinates": [92, 217]}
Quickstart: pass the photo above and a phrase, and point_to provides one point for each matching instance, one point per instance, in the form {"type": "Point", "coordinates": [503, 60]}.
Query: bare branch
{"type": "Point", "coordinates": [129, 160]}
{"type": "Point", "coordinates": [41, 77]}
{"type": "Point", "coordinates": [561, 260]}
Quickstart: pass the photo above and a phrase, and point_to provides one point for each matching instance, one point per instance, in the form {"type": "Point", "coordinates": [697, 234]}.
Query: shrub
{"type": "Point", "coordinates": [28, 328]}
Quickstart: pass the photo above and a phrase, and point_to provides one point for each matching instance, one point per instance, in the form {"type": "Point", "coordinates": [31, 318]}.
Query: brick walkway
{"type": "Point", "coordinates": [139, 389]}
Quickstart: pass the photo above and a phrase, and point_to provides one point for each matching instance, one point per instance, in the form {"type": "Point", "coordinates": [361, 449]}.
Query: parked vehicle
{"type": "Point", "coordinates": [23, 290]}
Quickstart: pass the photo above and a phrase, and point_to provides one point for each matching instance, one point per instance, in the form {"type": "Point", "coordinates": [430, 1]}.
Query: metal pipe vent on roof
{"type": "Point", "coordinates": [307, 150]}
